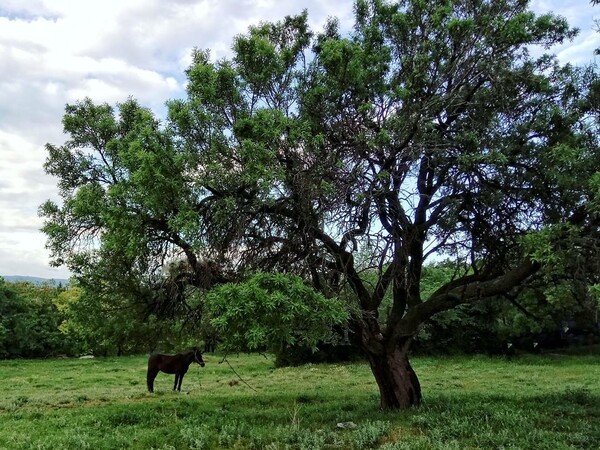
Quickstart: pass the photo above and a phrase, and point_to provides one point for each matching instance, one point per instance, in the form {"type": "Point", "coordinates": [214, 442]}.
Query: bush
{"type": "Point", "coordinates": [30, 321]}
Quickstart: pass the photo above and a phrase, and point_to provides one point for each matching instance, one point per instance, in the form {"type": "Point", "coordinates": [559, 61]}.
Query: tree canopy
{"type": "Point", "coordinates": [428, 131]}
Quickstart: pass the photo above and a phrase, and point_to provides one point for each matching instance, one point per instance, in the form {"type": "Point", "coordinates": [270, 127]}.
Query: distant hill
{"type": "Point", "coordinates": [35, 280]}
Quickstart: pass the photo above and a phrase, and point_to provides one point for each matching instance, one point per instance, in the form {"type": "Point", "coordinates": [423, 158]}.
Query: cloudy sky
{"type": "Point", "coordinates": [54, 52]}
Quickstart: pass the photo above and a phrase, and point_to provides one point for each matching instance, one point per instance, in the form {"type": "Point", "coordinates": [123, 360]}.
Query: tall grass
{"type": "Point", "coordinates": [469, 403]}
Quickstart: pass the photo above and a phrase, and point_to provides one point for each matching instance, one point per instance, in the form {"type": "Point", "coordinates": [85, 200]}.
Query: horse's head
{"type": "Point", "coordinates": [198, 357]}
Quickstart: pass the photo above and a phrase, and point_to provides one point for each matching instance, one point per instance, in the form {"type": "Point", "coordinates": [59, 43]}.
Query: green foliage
{"type": "Point", "coordinates": [118, 326]}
{"type": "Point", "coordinates": [486, 326]}
{"type": "Point", "coordinates": [41, 321]}
{"type": "Point", "coordinates": [471, 328]}
{"type": "Point", "coordinates": [11, 331]}
{"type": "Point", "coordinates": [30, 320]}
{"type": "Point", "coordinates": [271, 311]}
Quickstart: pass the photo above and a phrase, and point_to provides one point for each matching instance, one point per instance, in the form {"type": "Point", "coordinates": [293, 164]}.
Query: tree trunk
{"type": "Point", "coordinates": [399, 386]}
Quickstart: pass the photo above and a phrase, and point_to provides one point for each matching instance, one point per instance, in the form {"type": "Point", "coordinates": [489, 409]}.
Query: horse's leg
{"type": "Point", "coordinates": [180, 380]}
{"type": "Point", "coordinates": [176, 380]}
{"type": "Point", "coordinates": [150, 376]}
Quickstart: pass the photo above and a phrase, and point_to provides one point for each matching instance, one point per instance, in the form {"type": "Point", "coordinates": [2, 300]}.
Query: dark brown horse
{"type": "Point", "coordinates": [177, 364]}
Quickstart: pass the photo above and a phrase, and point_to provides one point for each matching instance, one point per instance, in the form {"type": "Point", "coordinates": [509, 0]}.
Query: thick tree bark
{"type": "Point", "coordinates": [399, 386]}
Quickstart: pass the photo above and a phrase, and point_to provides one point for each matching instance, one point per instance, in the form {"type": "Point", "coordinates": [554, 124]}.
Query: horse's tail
{"type": "Point", "coordinates": [151, 375]}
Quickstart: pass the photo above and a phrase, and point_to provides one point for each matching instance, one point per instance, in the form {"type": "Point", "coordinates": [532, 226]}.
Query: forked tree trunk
{"type": "Point", "coordinates": [399, 386]}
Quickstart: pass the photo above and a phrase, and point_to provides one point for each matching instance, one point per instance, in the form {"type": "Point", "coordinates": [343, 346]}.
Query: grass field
{"type": "Point", "coordinates": [469, 403]}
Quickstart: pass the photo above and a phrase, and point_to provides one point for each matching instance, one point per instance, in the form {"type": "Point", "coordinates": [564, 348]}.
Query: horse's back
{"type": "Point", "coordinates": [164, 363]}
{"type": "Point", "coordinates": [155, 358]}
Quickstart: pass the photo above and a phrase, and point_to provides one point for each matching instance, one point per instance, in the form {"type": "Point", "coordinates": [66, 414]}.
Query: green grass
{"type": "Point", "coordinates": [469, 403]}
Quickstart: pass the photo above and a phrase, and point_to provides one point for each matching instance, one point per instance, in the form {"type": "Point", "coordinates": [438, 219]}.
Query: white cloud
{"type": "Point", "coordinates": [579, 14]}
{"type": "Point", "coordinates": [23, 187]}
{"type": "Point", "coordinates": [31, 259]}
{"type": "Point", "coordinates": [581, 51]}
{"type": "Point", "coordinates": [57, 51]}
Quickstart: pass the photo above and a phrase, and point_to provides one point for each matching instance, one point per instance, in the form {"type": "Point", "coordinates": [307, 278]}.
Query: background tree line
{"type": "Point", "coordinates": [49, 321]}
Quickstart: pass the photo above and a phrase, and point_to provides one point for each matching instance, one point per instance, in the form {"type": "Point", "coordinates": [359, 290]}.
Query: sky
{"type": "Point", "coordinates": [54, 52]}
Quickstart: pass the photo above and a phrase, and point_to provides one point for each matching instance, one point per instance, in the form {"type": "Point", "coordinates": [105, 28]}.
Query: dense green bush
{"type": "Point", "coordinates": [30, 321]}
{"type": "Point", "coordinates": [271, 312]}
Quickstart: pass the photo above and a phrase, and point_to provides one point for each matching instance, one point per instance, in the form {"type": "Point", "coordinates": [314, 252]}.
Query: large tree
{"type": "Point", "coordinates": [428, 130]}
